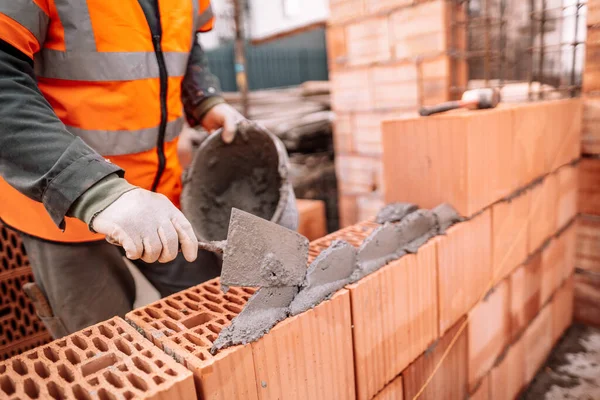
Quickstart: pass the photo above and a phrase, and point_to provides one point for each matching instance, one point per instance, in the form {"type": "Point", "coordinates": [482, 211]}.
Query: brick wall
{"type": "Point", "coordinates": [587, 280]}
{"type": "Point", "coordinates": [386, 58]}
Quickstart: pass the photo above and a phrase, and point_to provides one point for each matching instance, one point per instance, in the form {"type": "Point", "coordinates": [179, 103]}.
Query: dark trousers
{"type": "Point", "coordinates": [90, 282]}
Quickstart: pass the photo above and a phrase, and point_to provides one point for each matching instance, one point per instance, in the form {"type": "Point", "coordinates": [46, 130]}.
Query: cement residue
{"type": "Point", "coordinates": [446, 216]}
{"type": "Point", "coordinates": [572, 370]}
{"type": "Point", "coordinates": [395, 212]}
{"type": "Point", "coordinates": [260, 253]}
{"type": "Point", "coordinates": [382, 246]}
{"type": "Point", "coordinates": [245, 174]}
{"type": "Point", "coordinates": [328, 273]}
{"type": "Point", "coordinates": [265, 308]}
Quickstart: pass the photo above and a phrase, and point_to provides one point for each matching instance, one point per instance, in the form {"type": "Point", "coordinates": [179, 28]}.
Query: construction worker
{"type": "Point", "coordinates": [92, 98]}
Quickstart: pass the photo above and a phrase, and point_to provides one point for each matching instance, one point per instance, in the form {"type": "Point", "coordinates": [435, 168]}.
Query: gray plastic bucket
{"type": "Point", "coordinates": [250, 174]}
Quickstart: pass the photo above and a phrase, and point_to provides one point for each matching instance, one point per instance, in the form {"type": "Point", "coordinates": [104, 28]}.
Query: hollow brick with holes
{"type": "Point", "coordinates": [537, 342]}
{"type": "Point", "coordinates": [185, 326]}
{"type": "Point", "coordinates": [525, 293]}
{"type": "Point", "coordinates": [588, 243]}
{"type": "Point", "coordinates": [507, 378]}
{"type": "Point", "coordinates": [393, 391]}
{"type": "Point", "coordinates": [562, 309]}
{"type": "Point", "coordinates": [394, 312]}
{"type": "Point", "coordinates": [107, 361]}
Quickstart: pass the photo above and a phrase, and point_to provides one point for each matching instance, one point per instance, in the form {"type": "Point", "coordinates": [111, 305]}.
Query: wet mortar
{"type": "Point", "coordinates": [244, 174]}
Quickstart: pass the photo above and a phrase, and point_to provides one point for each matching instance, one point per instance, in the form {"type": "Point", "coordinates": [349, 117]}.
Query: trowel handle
{"type": "Point", "coordinates": [439, 108]}
{"type": "Point", "coordinates": [213, 247]}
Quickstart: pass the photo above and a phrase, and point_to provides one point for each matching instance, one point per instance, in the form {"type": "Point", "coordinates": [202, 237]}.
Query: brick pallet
{"type": "Point", "coordinates": [386, 58]}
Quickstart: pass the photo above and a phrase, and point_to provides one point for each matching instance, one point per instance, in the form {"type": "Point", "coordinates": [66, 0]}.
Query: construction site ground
{"type": "Point", "coordinates": [573, 369]}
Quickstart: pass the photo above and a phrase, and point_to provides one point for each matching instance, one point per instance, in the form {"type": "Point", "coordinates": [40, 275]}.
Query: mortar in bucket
{"type": "Point", "coordinates": [250, 174]}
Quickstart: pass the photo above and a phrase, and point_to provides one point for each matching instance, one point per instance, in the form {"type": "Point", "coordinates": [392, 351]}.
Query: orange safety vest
{"type": "Point", "coordinates": [97, 65]}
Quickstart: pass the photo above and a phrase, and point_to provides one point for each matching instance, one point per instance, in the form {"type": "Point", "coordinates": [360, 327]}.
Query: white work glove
{"type": "Point", "coordinates": [148, 226]}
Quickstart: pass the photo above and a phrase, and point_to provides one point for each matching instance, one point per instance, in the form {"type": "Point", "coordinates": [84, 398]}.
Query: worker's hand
{"type": "Point", "coordinates": [222, 116]}
{"type": "Point", "coordinates": [148, 226]}
{"type": "Point", "coordinates": [189, 139]}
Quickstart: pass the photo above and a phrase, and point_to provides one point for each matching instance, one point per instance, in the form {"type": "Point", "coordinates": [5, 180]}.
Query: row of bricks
{"type": "Point", "coordinates": [589, 186]}
{"type": "Point", "coordinates": [591, 71]}
{"type": "Point", "coordinates": [400, 33]}
{"type": "Point", "coordinates": [317, 346]}
{"type": "Point", "coordinates": [185, 325]}
{"type": "Point", "coordinates": [396, 86]}
{"type": "Point", "coordinates": [347, 11]}
{"type": "Point", "coordinates": [590, 129]}
{"type": "Point", "coordinates": [473, 159]}
{"type": "Point", "coordinates": [511, 371]}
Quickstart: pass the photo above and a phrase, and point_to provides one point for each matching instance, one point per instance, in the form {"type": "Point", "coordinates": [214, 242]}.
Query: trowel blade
{"type": "Point", "coordinates": [260, 253]}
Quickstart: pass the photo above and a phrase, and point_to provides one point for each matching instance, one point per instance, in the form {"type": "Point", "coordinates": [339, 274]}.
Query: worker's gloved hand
{"type": "Point", "coordinates": [222, 116]}
{"type": "Point", "coordinates": [148, 226]}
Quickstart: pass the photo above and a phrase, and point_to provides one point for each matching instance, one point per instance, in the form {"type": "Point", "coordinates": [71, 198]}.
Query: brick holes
{"type": "Point", "coordinates": [142, 365]}
{"type": "Point", "coordinates": [7, 385]}
{"type": "Point", "coordinates": [41, 370]}
{"type": "Point", "coordinates": [113, 379]}
{"type": "Point", "coordinates": [99, 343]}
{"type": "Point", "coordinates": [173, 314]}
{"type": "Point", "coordinates": [31, 388]}
{"type": "Point", "coordinates": [72, 356]}
{"type": "Point", "coordinates": [158, 380]}
{"type": "Point", "coordinates": [56, 391]}
{"type": "Point", "coordinates": [123, 347]}
{"type": "Point", "coordinates": [79, 342]}
{"type": "Point", "coordinates": [137, 382]}
{"type": "Point", "coordinates": [80, 393]}
{"type": "Point", "coordinates": [171, 325]}
{"type": "Point", "coordinates": [66, 374]}
{"type": "Point", "coordinates": [105, 331]}
{"type": "Point", "coordinates": [19, 367]}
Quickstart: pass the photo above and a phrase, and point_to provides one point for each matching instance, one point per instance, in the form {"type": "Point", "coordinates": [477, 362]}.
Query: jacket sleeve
{"type": "Point", "coordinates": [38, 156]}
{"type": "Point", "coordinates": [200, 89]}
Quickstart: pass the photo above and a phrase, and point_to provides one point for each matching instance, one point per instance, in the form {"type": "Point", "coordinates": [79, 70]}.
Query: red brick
{"type": "Point", "coordinates": [109, 360]}
{"type": "Point", "coordinates": [348, 210]}
{"type": "Point", "coordinates": [395, 86]}
{"type": "Point", "coordinates": [563, 132]}
{"type": "Point", "coordinates": [568, 183]}
{"type": "Point", "coordinates": [529, 154]}
{"type": "Point", "coordinates": [344, 10]}
{"type": "Point", "coordinates": [542, 212]}
{"type": "Point", "coordinates": [591, 72]}
{"type": "Point", "coordinates": [354, 234]}
{"type": "Point", "coordinates": [366, 131]}
{"type": "Point", "coordinates": [450, 380]}
{"type": "Point", "coordinates": [488, 336]}
{"type": "Point", "coordinates": [525, 286]}
{"type": "Point", "coordinates": [570, 242]}
{"type": "Point", "coordinates": [483, 390]}
{"type": "Point", "coordinates": [464, 268]}
{"type": "Point", "coordinates": [590, 129]}
{"type": "Point", "coordinates": [308, 356]}
{"type": "Point", "coordinates": [562, 309]}
{"type": "Point", "coordinates": [587, 298]}
{"type": "Point", "coordinates": [589, 186]}
{"type": "Point", "coordinates": [368, 42]}
{"type": "Point", "coordinates": [312, 221]}
{"type": "Point", "coordinates": [593, 13]}
{"type": "Point", "coordinates": [434, 80]}
{"type": "Point", "coordinates": [351, 90]}
{"type": "Point", "coordinates": [507, 378]}
{"type": "Point", "coordinates": [186, 324]}
{"type": "Point", "coordinates": [588, 243]}
{"type": "Point", "coordinates": [394, 311]}
{"type": "Point", "coordinates": [393, 391]}
{"type": "Point", "coordinates": [537, 342]}
{"type": "Point", "coordinates": [552, 267]}
{"type": "Point", "coordinates": [379, 6]}
{"type": "Point", "coordinates": [337, 52]}
{"type": "Point", "coordinates": [510, 227]}
{"type": "Point", "coordinates": [369, 205]}
{"type": "Point", "coordinates": [419, 30]}
{"type": "Point", "coordinates": [458, 158]}
{"type": "Point", "coordinates": [358, 174]}
{"type": "Point", "coordinates": [342, 134]}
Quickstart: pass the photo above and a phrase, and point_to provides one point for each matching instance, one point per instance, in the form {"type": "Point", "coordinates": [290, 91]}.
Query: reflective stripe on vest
{"type": "Point", "coordinates": [77, 25]}
{"type": "Point", "coordinates": [115, 143]}
{"type": "Point", "coordinates": [29, 15]}
{"type": "Point", "coordinates": [205, 17]}
{"type": "Point", "coordinates": [106, 66]}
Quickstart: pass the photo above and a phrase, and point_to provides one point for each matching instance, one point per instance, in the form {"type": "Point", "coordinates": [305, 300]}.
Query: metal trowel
{"type": "Point", "coordinates": [260, 253]}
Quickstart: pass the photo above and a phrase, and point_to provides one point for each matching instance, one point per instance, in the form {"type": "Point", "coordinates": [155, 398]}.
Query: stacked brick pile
{"type": "Point", "coordinates": [20, 328]}
{"type": "Point", "coordinates": [385, 58]}
{"type": "Point", "coordinates": [587, 278]}
{"type": "Point", "coordinates": [426, 320]}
